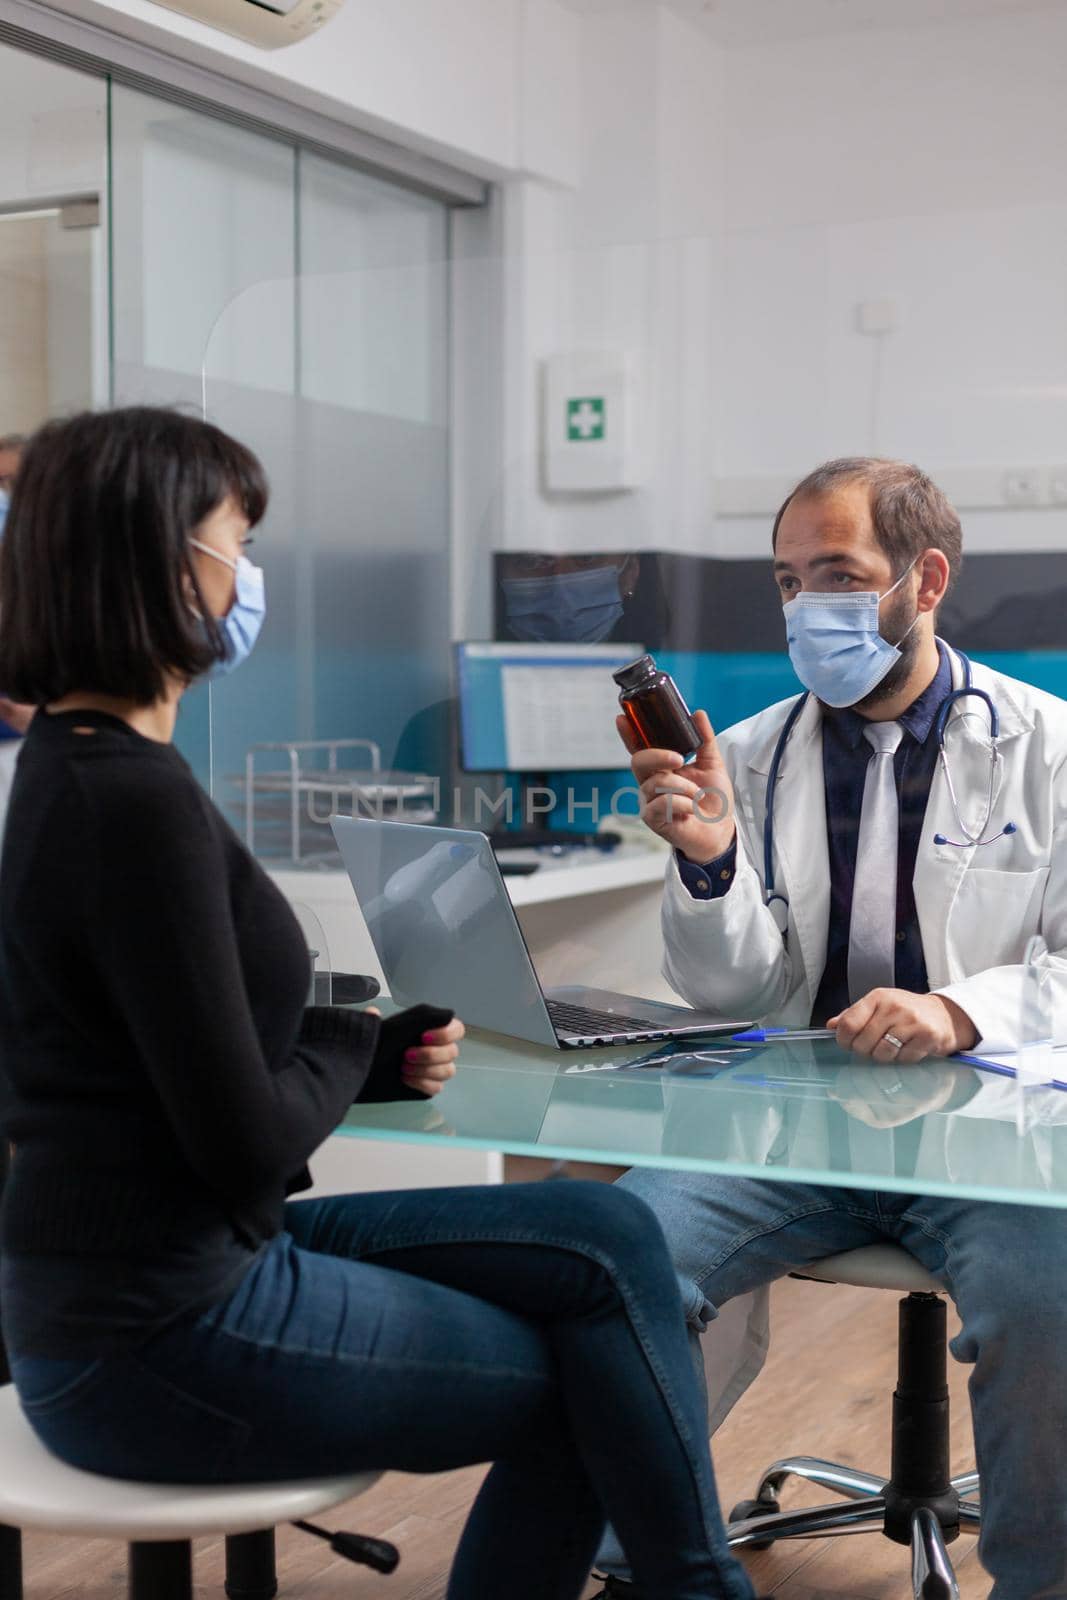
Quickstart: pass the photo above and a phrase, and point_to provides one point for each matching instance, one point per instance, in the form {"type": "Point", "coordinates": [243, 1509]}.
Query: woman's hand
{"type": "Point", "coordinates": [429, 1065]}
{"type": "Point", "coordinates": [15, 715]}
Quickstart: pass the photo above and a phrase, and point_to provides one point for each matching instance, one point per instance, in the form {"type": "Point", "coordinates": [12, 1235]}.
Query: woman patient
{"type": "Point", "coordinates": [169, 1313]}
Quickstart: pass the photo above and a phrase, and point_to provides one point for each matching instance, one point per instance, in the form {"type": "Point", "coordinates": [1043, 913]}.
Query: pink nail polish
{"type": "Point", "coordinates": [410, 1055]}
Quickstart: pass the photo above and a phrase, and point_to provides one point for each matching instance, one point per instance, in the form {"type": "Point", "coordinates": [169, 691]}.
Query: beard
{"type": "Point", "coordinates": [894, 630]}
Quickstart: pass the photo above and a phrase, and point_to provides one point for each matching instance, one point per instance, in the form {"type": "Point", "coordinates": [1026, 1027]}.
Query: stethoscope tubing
{"type": "Point", "coordinates": [772, 899]}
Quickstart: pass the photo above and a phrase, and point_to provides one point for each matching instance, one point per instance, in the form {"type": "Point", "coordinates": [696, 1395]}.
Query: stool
{"type": "Point", "coordinates": [157, 1520]}
{"type": "Point", "coordinates": [919, 1505]}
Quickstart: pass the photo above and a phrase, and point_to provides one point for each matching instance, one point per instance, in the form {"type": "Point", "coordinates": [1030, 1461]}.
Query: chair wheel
{"type": "Point", "coordinates": [755, 1508]}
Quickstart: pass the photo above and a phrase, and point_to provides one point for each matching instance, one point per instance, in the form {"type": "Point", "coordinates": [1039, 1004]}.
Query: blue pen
{"type": "Point", "coordinates": [781, 1083]}
{"type": "Point", "coordinates": [1002, 1070]}
{"type": "Point", "coordinates": [772, 1035]}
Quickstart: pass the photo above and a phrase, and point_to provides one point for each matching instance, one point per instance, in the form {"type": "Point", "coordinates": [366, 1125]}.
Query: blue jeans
{"type": "Point", "coordinates": [537, 1326]}
{"type": "Point", "coordinates": [1005, 1267]}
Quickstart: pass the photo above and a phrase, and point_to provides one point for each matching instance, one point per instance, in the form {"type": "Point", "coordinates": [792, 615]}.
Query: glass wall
{"type": "Point", "coordinates": [304, 307]}
{"type": "Point", "coordinates": [202, 213]}
{"type": "Point", "coordinates": [53, 292]}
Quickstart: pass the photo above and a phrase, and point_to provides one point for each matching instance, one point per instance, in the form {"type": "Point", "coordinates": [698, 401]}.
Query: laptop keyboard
{"type": "Point", "coordinates": [568, 1019]}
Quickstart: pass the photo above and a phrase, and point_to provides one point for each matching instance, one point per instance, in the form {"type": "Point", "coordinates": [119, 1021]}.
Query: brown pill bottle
{"type": "Point", "coordinates": [655, 709]}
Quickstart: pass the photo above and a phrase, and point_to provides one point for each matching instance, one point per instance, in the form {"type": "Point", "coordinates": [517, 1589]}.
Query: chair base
{"type": "Point", "coordinates": [162, 1570]}
{"type": "Point", "coordinates": [250, 1569]}
{"type": "Point", "coordinates": [864, 1511]}
{"type": "Point", "coordinates": [10, 1563]}
{"type": "Point", "coordinates": [917, 1503]}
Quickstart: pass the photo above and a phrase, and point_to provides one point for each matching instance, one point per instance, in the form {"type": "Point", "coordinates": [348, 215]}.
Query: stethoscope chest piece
{"type": "Point", "coordinates": [972, 837]}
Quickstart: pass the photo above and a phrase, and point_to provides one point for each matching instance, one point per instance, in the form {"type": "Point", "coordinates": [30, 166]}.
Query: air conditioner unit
{"type": "Point", "coordinates": [267, 23]}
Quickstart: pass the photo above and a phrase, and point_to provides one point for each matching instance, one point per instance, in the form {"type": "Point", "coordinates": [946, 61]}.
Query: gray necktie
{"type": "Point", "coordinates": [872, 929]}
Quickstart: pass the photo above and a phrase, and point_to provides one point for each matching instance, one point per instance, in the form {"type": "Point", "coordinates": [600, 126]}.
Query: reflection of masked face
{"type": "Point", "coordinates": [572, 607]}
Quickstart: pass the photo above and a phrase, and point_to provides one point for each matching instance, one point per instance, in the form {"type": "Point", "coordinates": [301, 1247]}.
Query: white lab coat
{"type": "Point", "coordinates": [977, 908]}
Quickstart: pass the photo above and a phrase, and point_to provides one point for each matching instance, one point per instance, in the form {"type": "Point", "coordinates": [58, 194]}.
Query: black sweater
{"type": "Point", "coordinates": [161, 1081]}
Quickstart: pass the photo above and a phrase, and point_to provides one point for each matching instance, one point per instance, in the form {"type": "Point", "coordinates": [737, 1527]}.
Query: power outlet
{"type": "Point", "coordinates": [876, 316]}
{"type": "Point", "coordinates": [1023, 486]}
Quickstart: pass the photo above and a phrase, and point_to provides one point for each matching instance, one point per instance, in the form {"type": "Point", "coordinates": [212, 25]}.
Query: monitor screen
{"type": "Point", "coordinates": [540, 707]}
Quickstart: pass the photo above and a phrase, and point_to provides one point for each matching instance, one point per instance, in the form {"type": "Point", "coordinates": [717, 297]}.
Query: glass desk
{"type": "Point", "coordinates": [805, 1110]}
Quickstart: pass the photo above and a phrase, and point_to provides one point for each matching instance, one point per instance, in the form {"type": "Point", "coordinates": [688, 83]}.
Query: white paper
{"type": "Point", "coordinates": [560, 718]}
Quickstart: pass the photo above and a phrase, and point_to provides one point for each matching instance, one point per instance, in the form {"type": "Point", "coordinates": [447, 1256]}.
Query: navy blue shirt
{"type": "Point", "coordinates": [845, 754]}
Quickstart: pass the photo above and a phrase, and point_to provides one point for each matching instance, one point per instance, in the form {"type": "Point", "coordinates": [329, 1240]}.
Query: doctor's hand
{"type": "Point", "coordinates": [924, 1024]}
{"type": "Point", "coordinates": [691, 807]}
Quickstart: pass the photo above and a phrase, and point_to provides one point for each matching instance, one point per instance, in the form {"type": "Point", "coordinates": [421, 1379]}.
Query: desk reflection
{"type": "Point", "coordinates": [804, 1110]}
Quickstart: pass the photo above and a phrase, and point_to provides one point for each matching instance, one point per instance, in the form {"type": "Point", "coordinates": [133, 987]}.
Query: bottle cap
{"type": "Point", "coordinates": [635, 672]}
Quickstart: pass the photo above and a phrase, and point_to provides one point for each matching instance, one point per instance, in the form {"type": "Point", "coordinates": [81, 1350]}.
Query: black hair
{"type": "Point", "coordinates": [97, 588]}
{"type": "Point", "coordinates": [909, 512]}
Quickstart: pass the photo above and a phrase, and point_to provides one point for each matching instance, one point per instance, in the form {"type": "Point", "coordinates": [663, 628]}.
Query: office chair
{"type": "Point", "coordinates": [919, 1504]}
{"type": "Point", "coordinates": [159, 1521]}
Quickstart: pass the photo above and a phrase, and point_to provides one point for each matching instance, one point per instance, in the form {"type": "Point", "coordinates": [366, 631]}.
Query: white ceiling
{"type": "Point", "coordinates": [747, 22]}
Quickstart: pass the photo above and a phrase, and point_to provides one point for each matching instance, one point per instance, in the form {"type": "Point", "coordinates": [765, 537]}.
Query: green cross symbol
{"type": "Point", "coordinates": [585, 419]}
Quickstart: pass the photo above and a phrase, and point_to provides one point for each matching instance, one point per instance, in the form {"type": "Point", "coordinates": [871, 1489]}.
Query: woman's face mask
{"type": "Point", "coordinates": [835, 643]}
{"type": "Point", "coordinates": [242, 622]}
{"type": "Point", "coordinates": [571, 607]}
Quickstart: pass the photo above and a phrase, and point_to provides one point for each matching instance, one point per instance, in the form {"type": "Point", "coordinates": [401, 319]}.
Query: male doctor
{"type": "Point", "coordinates": [896, 931]}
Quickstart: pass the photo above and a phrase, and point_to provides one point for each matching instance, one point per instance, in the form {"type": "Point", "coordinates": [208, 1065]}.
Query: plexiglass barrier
{"type": "Point", "coordinates": [344, 703]}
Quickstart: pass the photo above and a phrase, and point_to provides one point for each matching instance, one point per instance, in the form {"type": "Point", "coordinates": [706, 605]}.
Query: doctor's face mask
{"type": "Point", "coordinates": [836, 644]}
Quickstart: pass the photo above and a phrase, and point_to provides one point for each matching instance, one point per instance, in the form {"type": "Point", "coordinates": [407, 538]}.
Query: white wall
{"type": "Point", "coordinates": [720, 209]}
{"type": "Point", "coordinates": [924, 165]}
{"type": "Point", "coordinates": [488, 84]}
{"type": "Point", "coordinates": [23, 324]}
{"type": "Point", "coordinates": [52, 131]}
{"type": "Point", "coordinates": [53, 320]}
{"type": "Point", "coordinates": [48, 340]}
{"type": "Point", "coordinates": [628, 260]}
{"type": "Point", "coordinates": [72, 261]}
{"type": "Point", "coordinates": [735, 205]}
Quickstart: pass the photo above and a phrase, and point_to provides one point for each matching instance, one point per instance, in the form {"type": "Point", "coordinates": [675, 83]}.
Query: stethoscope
{"type": "Point", "coordinates": [776, 903]}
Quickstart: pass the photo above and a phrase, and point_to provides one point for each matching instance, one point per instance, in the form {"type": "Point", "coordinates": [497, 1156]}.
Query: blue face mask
{"type": "Point", "coordinates": [576, 607]}
{"type": "Point", "coordinates": [241, 624]}
{"type": "Point", "coordinates": [835, 645]}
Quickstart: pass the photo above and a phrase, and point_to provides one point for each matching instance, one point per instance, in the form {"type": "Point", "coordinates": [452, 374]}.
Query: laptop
{"type": "Point", "coordinates": [445, 931]}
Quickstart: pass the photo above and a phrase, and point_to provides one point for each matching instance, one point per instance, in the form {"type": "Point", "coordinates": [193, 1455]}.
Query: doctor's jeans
{"type": "Point", "coordinates": [1005, 1267]}
{"type": "Point", "coordinates": [537, 1326]}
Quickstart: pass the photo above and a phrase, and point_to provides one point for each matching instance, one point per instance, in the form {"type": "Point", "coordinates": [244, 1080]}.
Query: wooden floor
{"type": "Point", "coordinates": [825, 1392]}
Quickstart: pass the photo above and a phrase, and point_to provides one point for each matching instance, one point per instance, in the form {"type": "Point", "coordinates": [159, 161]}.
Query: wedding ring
{"type": "Point", "coordinates": [891, 1038]}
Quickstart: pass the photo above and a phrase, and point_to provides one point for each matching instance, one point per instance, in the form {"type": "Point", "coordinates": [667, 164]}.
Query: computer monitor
{"type": "Point", "coordinates": [540, 707]}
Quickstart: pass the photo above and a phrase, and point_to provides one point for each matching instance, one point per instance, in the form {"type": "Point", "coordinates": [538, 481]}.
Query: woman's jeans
{"type": "Point", "coordinates": [537, 1326]}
